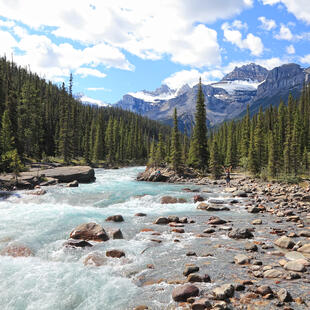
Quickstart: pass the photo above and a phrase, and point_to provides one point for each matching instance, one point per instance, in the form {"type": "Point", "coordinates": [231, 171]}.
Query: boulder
{"type": "Point", "coordinates": [240, 194]}
{"type": "Point", "coordinates": [94, 259]}
{"type": "Point", "coordinates": [39, 192]}
{"type": "Point", "coordinates": [305, 248]}
{"type": "Point", "coordinates": [173, 219]}
{"type": "Point", "coordinates": [284, 295]}
{"type": "Point", "coordinates": [115, 253]}
{"type": "Point", "coordinates": [161, 220]}
{"type": "Point", "coordinates": [201, 304]}
{"type": "Point", "coordinates": [140, 214]}
{"type": "Point", "coordinates": [190, 269]}
{"type": "Point", "coordinates": [181, 293]}
{"type": "Point", "coordinates": [16, 251]}
{"type": "Point", "coordinates": [264, 290]}
{"type": "Point", "coordinates": [285, 242]}
{"type": "Point", "coordinates": [115, 234]}
{"type": "Point", "coordinates": [215, 220]}
{"type": "Point", "coordinates": [198, 198]}
{"type": "Point", "coordinates": [77, 244]}
{"type": "Point", "coordinates": [74, 183]}
{"type": "Point", "coordinates": [115, 218]}
{"type": "Point", "coordinates": [253, 209]}
{"type": "Point", "coordinates": [295, 265]}
{"type": "Point", "coordinates": [223, 292]}
{"type": "Point", "coordinates": [252, 247]}
{"type": "Point", "coordinates": [273, 273]}
{"type": "Point", "coordinates": [89, 231]}
{"type": "Point", "coordinates": [168, 200]}
{"type": "Point", "coordinates": [194, 278]}
{"type": "Point", "coordinates": [241, 259]}
{"type": "Point", "coordinates": [240, 233]}
{"type": "Point", "coordinates": [257, 222]}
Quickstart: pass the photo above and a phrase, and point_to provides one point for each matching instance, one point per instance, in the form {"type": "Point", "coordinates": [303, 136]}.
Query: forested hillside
{"type": "Point", "coordinates": [40, 120]}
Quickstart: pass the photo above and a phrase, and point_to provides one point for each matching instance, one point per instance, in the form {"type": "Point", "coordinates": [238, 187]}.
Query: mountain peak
{"type": "Point", "coordinates": [249, 72]}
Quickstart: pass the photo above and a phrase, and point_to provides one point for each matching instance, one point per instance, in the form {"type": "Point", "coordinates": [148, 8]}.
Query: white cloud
{"type": "Point", "coordinates": [7, 43]}
{"type": "Point", "coordinates": [7, 23]}
{"type": "Point", "coordinates": [84, 72]}
{"type": "Point", "coordinates": [267, 24]}
{"type": "Point", "coordinates": [300, 8]}
{"type": "Point", "coordinates": [87, 99]}
{"type": "Point", "coordinates": [98, 89]}
{"type": "Point", "coordinates": [251, 42]}
{"type": "Point", "coordinates": [290, 49]}
{"type": "Point", "coordinates": [284, 34]}
{"type": "Point", "coordinates": [305, 59]}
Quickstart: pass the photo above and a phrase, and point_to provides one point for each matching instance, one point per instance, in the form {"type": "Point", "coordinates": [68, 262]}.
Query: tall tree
{"type": "Point", "coordinates": [176, 156]}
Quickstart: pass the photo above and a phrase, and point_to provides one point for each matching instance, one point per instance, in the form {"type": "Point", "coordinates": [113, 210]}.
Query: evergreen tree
{"type": "Point", "coordinates": [7, 138]}
{"type": "Point", "coordinates": [160, 151]}
{"type": "Point", "coordinates": [175, 144]}
{"type": "Point", "coordinates": [215, 166]}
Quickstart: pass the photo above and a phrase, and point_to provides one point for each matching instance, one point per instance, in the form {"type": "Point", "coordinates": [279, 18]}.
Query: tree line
{"type": "Point", "coordinates": [274, 143]}
{"type": "Point", "coordinates": [40, 120]}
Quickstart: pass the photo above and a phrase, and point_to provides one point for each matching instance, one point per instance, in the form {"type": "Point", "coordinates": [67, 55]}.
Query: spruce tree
{"type": "Point", "coordinates": [215, 166]}
{"type": "Point", "coordinates": [7, 138]}
{"type": "Point", "coordinates": [176, 156]}
{"type": "Point", "coordinates": [272, 170]}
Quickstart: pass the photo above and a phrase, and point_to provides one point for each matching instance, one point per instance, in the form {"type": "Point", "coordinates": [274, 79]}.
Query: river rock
{"type": "Point", "coordinates": [273, 273]}
{"type": "Point", "coordinates": [39, 192]}
{"type": "Point", "coordinates": [284, 295]}
{"type": "Point", "coordinates": [194, 278]}
{"type": "Point", "coordinates": [285, 242]}
{"type": "Point", "coordinates": [190, 269]}
{"type": "Point", "coordinates": [115, 218]}
{"type": "Point", "coordinates": [168, 200]}
{"type": "Point", "coordinates": [241, 259]}
{"type": "Point", "coordinates": [74, 183]}
{"type": "Point", "coordinates": [304, 233]}
{"type": "Point", "coordinates": [223, 292]}
{"type": "Point", "coordinates": [94, 259]}
{"type": "Point", "coordinates": [140, 214]}
{"type": "Point", "coordinates": [252, 247]}
{"type": "Point", "coordinates": [181, 293]}
{"type": "Point", "coordinates": [295, 265]}
{"type": "Point", "coordinates": [115, 234]}
{"type": "Point", "coordinates": [77, 244]}
{"type": "Point", "coordinates": [198, 198]}
{"type": "Point", "coordinates": [240, 233]}
{"type": "Point", "coordinates": [161, 220]}
{"type": "Point", "coordinates": [253, 209]}
{"type": "Point", "coordinates": [305, 248]}
{"type": "Point", "coordinates": [141, 307]}
{"type": "Point", "coordinates": [115, 253]}
{"type": "Point", "coordinates": [216, 201]}
{"type": "Point", "coordinates": [257, 222]}
{"type": "Point", "coordinates": [240, 194]}
{"type": "Point", "coordinates": [89, 231]}
{"type": "Point", "coordinates": [201, 304]}
{"type": "Point", "coordinates": [264, 290]}
{"type": "Point", "coordinates": [215, 220]}
{"type": "Point", "coordinates": [294, 255]}
{"type": "Point", "coordinates": [173, 219]}
{"type": "Point", "coordinates": [16, 251]}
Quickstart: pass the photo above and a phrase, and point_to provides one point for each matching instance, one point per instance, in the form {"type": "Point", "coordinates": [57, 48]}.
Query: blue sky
{"type": "Point", "coordinates": [113, 47]}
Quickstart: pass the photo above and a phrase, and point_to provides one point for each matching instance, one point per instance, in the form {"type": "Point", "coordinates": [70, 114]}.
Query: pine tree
{"type": "Point", "coordinates": [160, 151]}
{"type": "Point", "coordinates": [252, 157]}
{"type": "Point", "coordinates": [175, 157]}
{"type": "Point", "coordinates": [215, 166]}
{"type": "Point", "coordinates": [272, 169]}
{"type": "Point", "coordinates": [7, 138]}
{"type": "Point", "coordinates": [99, 143]}
{"type": "Point", "coordinates": [198, 152]}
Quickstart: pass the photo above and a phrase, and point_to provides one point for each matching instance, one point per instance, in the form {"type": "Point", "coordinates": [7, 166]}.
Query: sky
{"type": "Point", "coordinates": [113, 47]}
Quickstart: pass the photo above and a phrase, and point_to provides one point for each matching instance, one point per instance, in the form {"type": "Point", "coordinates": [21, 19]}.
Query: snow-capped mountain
{"type": "Point", "coordinates": [250, 84]}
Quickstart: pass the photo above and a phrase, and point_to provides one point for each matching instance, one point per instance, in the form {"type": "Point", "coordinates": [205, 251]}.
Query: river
{"type": "Point", "coordinates": [56, 278]}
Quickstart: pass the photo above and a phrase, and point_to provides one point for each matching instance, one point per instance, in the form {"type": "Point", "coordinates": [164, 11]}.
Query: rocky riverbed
{"type": "Point", "coordinates": [164, 246]}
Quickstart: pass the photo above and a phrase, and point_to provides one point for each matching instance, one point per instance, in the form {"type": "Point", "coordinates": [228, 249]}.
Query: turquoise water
{"type": "Point", "coordinates": [56, 278]}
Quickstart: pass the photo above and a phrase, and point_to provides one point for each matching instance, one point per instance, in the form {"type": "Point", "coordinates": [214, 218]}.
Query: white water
{"type": "Point", "coordinates": [56, 278]}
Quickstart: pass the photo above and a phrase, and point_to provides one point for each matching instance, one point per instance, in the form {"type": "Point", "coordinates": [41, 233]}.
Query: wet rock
{"type": "Point", "coordinates": [181, 293]}
{"type": "Point", "coordinates": [201, 304]}
{"type": "Point", "coordinates": [209, 231]}
{"type": "Point", "coordinates": [178, 230]}
{"type": "Point", "coordinates": [198, 198]}
{"type": "Point", "coordinates": [284, 295]}
{"type": "Point", "coordinates": [295, 265]}
{"type": "Point", "coordinates": [253, 209]}
{"type": "Point", "coordinates": [141, 307]}
{"type": "Point", "coordinates": [191, 253]}
{"type": "Point", "coordinates": [168, 200]}
{"type": "Point", "coordinates": [264, 290]}
{"type": "Point", "coordinates": [240, 233]}
{"type": "Point", "coordinates": [89, 231]}
{"type": "Point", "coordinates": [273, 273]}
{"type": "Point", "coordinates": [140, 214]}
{"type": "Point", "coordinates": [223, 292]}
{"type": "Point", "coordinates": [190, 269]}
{"type": "Point", "coordinates": [94, 259]}
{"type": "Point", "coordinates": [183, 220]}
{"type": "Point", "coordinates": [189, 190]}
{"type": "Point", "coordinates": [220, 305]}
{"type": "Point", "coordinates": [16, 251]}
{"type": "Point", "coordinates": [285, 242]}
{"type": "Point", "coordinates": [77, 244]}
{"type": "Point", "coordinates": [182, 200]}
{"type": "Point", "coordinates": [294, 255]}
{"type": "Point", "coordinates": [240, 194]}
{"type": "Point", "coordinates": [74, 183]}
{"type": "Point", "coordinates": [241, 259]}
{"type": "Point", "coordinates": [115, 218]}
{"type": "Point", "coordinates": [252, 247]}
{"type": "Point", "coordinates": [161, 220]}
{"type": "Point", "coordinates": [173, 218]}
{"type": "Point", "coordinates": [305, 248]}
{"type": "Point", "coordinates": [115, 253]}
{"type": "Point", "coordinates": [194, 278]}
{"type": "Point", "coordinates": [116, 234]}
{"type": "Point", "coordinates": [216, 201]}
{"type": "Point", "coordinates": [304, 233]}
{"type": "Point", "coordinates": [215, 220]}
{"type": "Point", "coordinates": [257, 222]}
{"type": "Point", "coordinates": [39, 192]}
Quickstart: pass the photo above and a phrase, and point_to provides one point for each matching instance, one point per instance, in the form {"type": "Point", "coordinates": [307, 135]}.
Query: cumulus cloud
{"type": "Point", "coordinates": [300, 8]}
{"type": "Point", "coordinates": [84, 72]}
{"type": "Point", "coordinates": [305, 59]}
{"type": "Point", "coordinates": [290, 49]}
{"type": "Point", "coordinates": [267, 24]}
{"type": "Point", "coordinates": [284, 34]}
{"type": "Point", "coordinates": [251, 42]}
{"type": "Point", "coordinates": [98, 89]}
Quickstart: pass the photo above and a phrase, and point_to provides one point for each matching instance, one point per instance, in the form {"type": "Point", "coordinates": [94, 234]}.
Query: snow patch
{"type": "Point", "coordinates": [232, 86]}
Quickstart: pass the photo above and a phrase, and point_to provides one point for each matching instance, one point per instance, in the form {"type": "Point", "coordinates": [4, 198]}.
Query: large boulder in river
{"type": "Point", "coordinates": [285, 242]}
{"type": "Point", "coordinates": [240, 233]}
{"type": "Point", "coordinates": [181, 293]}
{"type": "Point", "coordinates": [89, 231]}
{"type": "Point", "coordinates": [115, 218]}
{"type": "Point", "coordinates": [115, 253]}
{"type": "Point", "coordinates": [168, 200]}
{"type": "Point", "coordinates": [16, 251]}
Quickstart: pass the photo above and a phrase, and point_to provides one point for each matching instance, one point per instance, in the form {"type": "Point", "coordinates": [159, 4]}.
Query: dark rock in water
{"type": "Point", "coordinates": [253, 210]}
{"type": "Point", "coordinates": [201, 304]}
{"type": "Point", "coordinates": [215, 220]}
{"type": "Point", "coordinates": [264, 290]}
{"type": "Point", "coordinates": [115, 218]}
{"type": "Point", "coordinates": [168, 200]}
{"type": "Point", "coordinates": [181, 293]}
{"type": "Point", "coordinates": [115, 234]}
{"type": "Point", "coordinates": [182, 200]}
{"type": "Point", "coordinates": [209, 231]}
{"type": "Point", "coordinates": [161, 220]}
{"type": "Point", "coordinates": [240, 194]}
{"type": "Point", "coordinates": [252, 247]}
{"type": "Point", "coordinates": [198, 198]}
{"type": "Point", "coordinates": [190, 269]}
{"type": "Point", "coordinates": [74, 183]}
{"type": "Point", "coordinates": [140, 214]}
{"type": "Point", "coordinates": [16, 251]}
{"type": "Point", "coordinates": [194, 278]}
{"type": "Point", "coordinates": [306, 198]}
{"type": "Point", "coordinates": [284, 295]}
{"type": "Point", "coordinates": [234, 201]}
{"type": "Point", "coordinates": [216, 201]}
{"type": "Point", "coordinates": [141, 307]}
{"type": "Point", "coordinates": [223, 292]}
{"type": "Point", "coordinates": [183, 220]}
{"type": "Point", "coordinates": [94, 259]}
{"type": "Point", "coordinates": [191, 253]}
{"type": "Point", "coordinates": [173, 218]}
{"type": "Point", "coordinates": [89, 231]}
{"type": "Point", "coordinates": [240, 233]}
{"type": "Point", "coordinates": [77, 244]}
{"type": "Point", "coordinates": [115, 253]}
{"type": "Point", "coordinates": [189, 190]}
